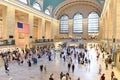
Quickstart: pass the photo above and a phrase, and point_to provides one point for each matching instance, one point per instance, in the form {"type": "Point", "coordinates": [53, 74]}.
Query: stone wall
{"type": "Point", "coordinates": [111, 25]}
{"type": "Point", "coordinates": [13, 11]}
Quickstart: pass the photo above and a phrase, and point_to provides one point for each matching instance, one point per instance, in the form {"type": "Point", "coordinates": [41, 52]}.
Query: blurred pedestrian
{"type": "Point", "coordinates": [73, 67]}
{"type": "Point", "coordinates": [112, 75]}
{"type": "Point", "coordinates": [102, 77]}
{"type": "Point", "coordinates": [41, 68]}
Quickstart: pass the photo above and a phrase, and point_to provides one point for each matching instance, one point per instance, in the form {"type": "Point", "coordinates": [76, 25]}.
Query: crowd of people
{"type": "Point", "coordinates": [19, 55]}
{"type": "Point", "coordinates": [68, 54]}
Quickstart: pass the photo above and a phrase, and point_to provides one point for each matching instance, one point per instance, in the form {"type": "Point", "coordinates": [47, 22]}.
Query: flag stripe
{"type": "Point", "coordinates": [26, 28]}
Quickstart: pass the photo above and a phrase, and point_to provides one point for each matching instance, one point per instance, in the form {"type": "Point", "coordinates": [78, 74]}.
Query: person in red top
{"type": "Point", "coordinates": [102, 77]}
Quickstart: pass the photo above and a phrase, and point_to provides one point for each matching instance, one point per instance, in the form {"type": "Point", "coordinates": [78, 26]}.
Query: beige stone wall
{"type": "Point", "coordinates": [118, 61]}
{"type": "Point", "coordinates": [111, 25]}
{"type": "Point", "coordinates": [79, 8]}
{"type": "Point", "coordinates": [100, 37]}
{"type": "Point", "coordinates": [110, 17]}
{"type": "Point", "coordinates": [107, 27]}
{"type": "Point", "coordinates": [55, 29]}
{"type": "Point", "coordinates": [48, 29]}
{"type": "Point", "coordinates": [118, 19]}
{"type": "Point", "coordinates": [85, 28]}
{"type": "Point", "coordinates": [12, 14]}
{"type": "Point", "coordinates": [4, 24]}
{"type": "Point", "coordinates": [70, 8]}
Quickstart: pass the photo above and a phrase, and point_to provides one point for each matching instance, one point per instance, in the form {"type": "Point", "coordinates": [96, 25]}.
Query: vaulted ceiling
{"type": "Point", "coordinates": [60, 7]}
{"type": "Point", "coordinates": [55, 3]}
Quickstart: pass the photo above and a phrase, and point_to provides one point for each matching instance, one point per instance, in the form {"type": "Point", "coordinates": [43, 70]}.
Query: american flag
{"type": "Point", "coordinates": [23, 27]}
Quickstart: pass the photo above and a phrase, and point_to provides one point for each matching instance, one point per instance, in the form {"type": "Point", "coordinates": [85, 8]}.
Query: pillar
{"type": "Point", "coordinates": [70, 27]}
{"type": "Point", "coordinates": [43, 27]}
{"type": "Point", "coordinates": [30, 21]}
{"type": "Point", "coordinates": [85, 28]}
{"type": "Point", "coordinates": [10, 21]}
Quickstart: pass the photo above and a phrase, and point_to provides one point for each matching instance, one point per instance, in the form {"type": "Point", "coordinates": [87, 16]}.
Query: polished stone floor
{"type": "Point", "coordinates": [85, 72]}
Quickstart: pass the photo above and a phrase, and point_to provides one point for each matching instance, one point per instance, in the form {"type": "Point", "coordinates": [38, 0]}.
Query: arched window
{"type": "Point", "coordinates": [64, 24]}
{"type": "Point", "coordinates": [47, 12]}
{"type": "Point", "coordinates": [37, 6]}
{"type": "Point", "coordinates": [93, 22]}
{"type": "Point", "coordinates": [23, 1]}
{"type": "Point", "coordinates": [78, 23]}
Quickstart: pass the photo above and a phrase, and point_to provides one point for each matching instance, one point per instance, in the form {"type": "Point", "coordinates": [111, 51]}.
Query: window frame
{"type": "Point", "coordinates": [93, 20]}
{"type": "Point", "coordinates": [62, 31]}
{"type": "Point", "coordinates": [22, 1]}
{"type": "Point", "coordinates": [38, 6]}
{"type": "Point", "coordinates": [78, 23]}
{"type": "Point", "coordinates": [47, 13]}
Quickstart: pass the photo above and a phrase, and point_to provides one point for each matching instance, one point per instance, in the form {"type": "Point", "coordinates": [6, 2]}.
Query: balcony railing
{"type": "Point", "coordinates": [7, 42]}
{"type": "Point", "coordinates": [43, 40]}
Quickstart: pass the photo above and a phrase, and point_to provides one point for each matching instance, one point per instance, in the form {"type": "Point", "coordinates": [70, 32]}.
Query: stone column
{"type": "Point", "coordinates": [55, 29]}
{"type": "Point", "coordinates": [52, 29]}
{"type": "Point", "coordinates": [100, 29]}
{"type": "Point", "coordinates": [10, 21]}
{"type": "Point", "coordinates": [39, 28]}
{"type": "Point", "coordinates": [70, 27]}
{"type": "Point", "coordinates": [43, 27]}
{"type": "Point", "coordinates": [30, 21]}
{"type": "Point", "coordinates": [117, 20]}
{"type": "Point", "coordinates": [85, 28]}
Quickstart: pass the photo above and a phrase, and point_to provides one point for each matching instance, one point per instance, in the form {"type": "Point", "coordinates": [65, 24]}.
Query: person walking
{"type": "Point", "coordinates": [100, 69]}
{"type": "Point", "coordinates": [69, 65]}
{"type": "Point", "coordinates": [61, 75]}
{"type": "Point", "coordinates": [29, 63]}
{"type": "Point", "coordinates": [73, 67]}
{"type": "Point", "coordinates": [74, 55]}
{"type": "Point", "coordinates": [112, 75]}
{"type": "Point", "coordinates": [102, 77]}
{"type": "Point", "coordinates": [6, 68]}
{"type": "Point", "coordinates": [51, 77]}
{"type": "Point", "coordinates": [106, 66]}
{"type": "Point", "coordinates": [64, 58]}
{"type": "Point", "coordinates": [68, 76]}
{"type": "Point", "coordinates": [54, 51]}
{"type": "Point", "coordinates": [41, 68]}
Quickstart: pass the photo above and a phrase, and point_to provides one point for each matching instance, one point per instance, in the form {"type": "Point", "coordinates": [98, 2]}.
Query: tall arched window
{"type": "Point", "coordinates": [37, 6]}
{"type": "Point", "coordinates": [78, 23]}
{"type": "Point", "coordinates": [47, 12]}
{"type": "Point", "coordinates": [23, 1]}
{"type": "Point", "coordinates": [93, 22]}
{"type": "Point", "coordinates": [64, 24]}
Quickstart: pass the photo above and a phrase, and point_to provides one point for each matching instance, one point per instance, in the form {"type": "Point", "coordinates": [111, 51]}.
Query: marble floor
{"type": "Point", "coordinates": [85, 72]}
